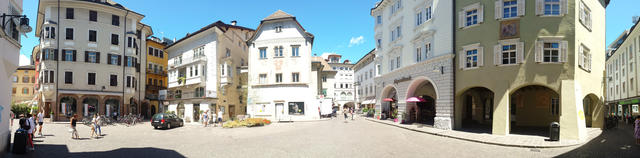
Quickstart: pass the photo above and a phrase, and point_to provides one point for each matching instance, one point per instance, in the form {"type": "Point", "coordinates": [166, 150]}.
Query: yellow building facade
{"type": "Point", "coordinates": [156, 78]}
{"type": "Point", "coordinates": [23, 81]}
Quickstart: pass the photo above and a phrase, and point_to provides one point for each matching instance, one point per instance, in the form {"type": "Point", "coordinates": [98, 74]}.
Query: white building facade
{"type": "Point", "coordinates": [10, 46]}
{"type": "Point", "coordinates": [343, 89]}
{"type": "Point", "coordinates": [283, 83]}
{"type": "Point", "coordinates": [365, 71]}
{"type": "Point", "coordinates": [204, 72]}
{"type": "Point", "coordinates": [414, 61]}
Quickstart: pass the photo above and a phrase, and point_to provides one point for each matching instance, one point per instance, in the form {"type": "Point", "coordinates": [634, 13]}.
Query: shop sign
{"type": "Point", "coordinates": [632, 101]}
{"type": "Point", "coordinates": [396, 81]}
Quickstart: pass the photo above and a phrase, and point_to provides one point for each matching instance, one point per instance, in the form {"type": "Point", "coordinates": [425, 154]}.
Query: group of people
{"type": "Point", "coordinates": [30, 123]}
{"type": "Point", "coordinates": [347, 112]}
{"type": "Point", "coordinates": [96, 131]}
{"type": "Point", "coordinates": [217, 120]}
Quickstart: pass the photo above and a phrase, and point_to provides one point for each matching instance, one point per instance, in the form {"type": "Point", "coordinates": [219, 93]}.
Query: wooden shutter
{"type": "Point", "coordinates": [564, 53]}
{"type": "Point", "coordinates": [55, 54]}
{"type": "Point", "coordinates": [581, 13]}
{"type": "Point", "coordinates": [74, 55]}
{"type": "Point", "coordinates": [539, 7]}
{"type": "Point", "coordinates": [538, 50]}
{"type": "Point", "coordinates": [497, 53]}
{"type": "Point", "coordinates": [461, 19]}
{"type": "Point", "coordinates": [520, 52]}
{"type": "Point", "coordinates": [109, 59]}
{"type": "Point", "coordinates": [462, 57]}
{"type": "Point", "coordinates": [589, 63]}
{"type": "Point", "coordinates": [581, 57]}
{"type": "Point", "coordinates": [481, 14]}
{"type": "Point", "coordinates": [498, 9]}
{"type": "Point", "coordinates": [86, 56]}
{"type": "Point", "coordinates": [97, 57]}
{"type": "Point", "coordinates": [521, 7]}
{"type": "Point", "coordinates": [480, 56]}
{"type": "Point", "coordinates": [119, 59]}
{"type": "Point", "coordinates": [564, 9]}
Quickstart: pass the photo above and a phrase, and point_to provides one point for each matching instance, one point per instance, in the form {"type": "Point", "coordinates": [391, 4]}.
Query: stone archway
{"type": "Point", "coordinates": [594, 112]}
{"type": "Point", "coordinates": [389, 101]}
{"type": "Point", "coordinates": [112, 107]}
{"type": "Point", "coordinates": [68, 106]}
{"type": "Point", "coordinates": [477, 107]}
{"type": "Point", "coordinates": [532, 108]}
{"type": "Point", "coordinates": [90, 104]}
{"type": "Point", "coordinates": [421, 101]}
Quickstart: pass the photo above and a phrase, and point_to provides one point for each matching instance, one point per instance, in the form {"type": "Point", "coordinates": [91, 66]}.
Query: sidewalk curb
{"type": "Point", "coordinates": [480, 141]}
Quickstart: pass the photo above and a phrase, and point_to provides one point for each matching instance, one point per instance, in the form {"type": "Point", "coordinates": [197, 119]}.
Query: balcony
{"type": "Point", "coordinates": [151, 96]}
{"type": "Point", "coordinates": [224, 80]}
{"type": "Point", "coordinates": [157, 72]}
{"type": "Point", "coordinates": [155, 88]}
{"type": "Point", "coordinates": [187, 61]}
{"type": "Point", "coordinates": [185, 95]}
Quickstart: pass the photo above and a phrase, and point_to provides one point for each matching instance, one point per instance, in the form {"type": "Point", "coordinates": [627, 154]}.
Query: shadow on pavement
{"type": "Point", "coordinates": [62, 151]}
{"type": "Point", "coordinates": [617, 142]}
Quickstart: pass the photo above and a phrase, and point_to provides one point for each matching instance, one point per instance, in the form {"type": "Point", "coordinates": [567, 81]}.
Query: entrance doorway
{"type": "Point", "coordinates": [196, 112]}
{"type": "Point", "coordinates": [279, 111]}
{"type": "Point", "coordinates": [389, 103]}
{"type": "Point", "coordinates": [232, 112]}
{"type": "Point", "coordinates": [533, 108]}
{"type": "Point", "coordinates": [477, 110]}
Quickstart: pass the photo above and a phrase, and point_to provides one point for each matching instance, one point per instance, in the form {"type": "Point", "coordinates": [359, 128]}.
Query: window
{"type": "Point", "coordinates": [585, 15]}
{"type": "Point", "coordinates": [129, 61]}
{"type": "Point", "coordinates": [25, 79]}
{"type": "Point", "coordinates": [419, 18]}
{"type": "Point", "coordinates": [129, 42]}
{"type": "Point", "coordinates": [551, 7]}
{"type": "Point", "coordinates": [324, 78]}
{"type": "Point", "coordinates": [114, 59]}
{"type": "Point", "coordinates": [396, 6]}
{"type": "Point", "coordinates": [584, 60]}
{"type": "Point", "coordinates": [295, 77]}
{"type": "Point", "coordinates": [14, 90]}
{"type": "Point", "coordinates": [508, 54]}
{"type": "Point", "coordinates": [160, 83]}
{"type": "Point", "coordinates": [93, 36]}
{"type": "Point", "coordinates": [379, 69]}
{"type": "Point", "coordinates": [68, 77]}
{"type": "Point", "coordinates": [296, 108]}
{"type": "Point", "coordinates": [228, 52]}
{"type": "Point", "coordinates": [379, 19]}
{"type": "Point", "coordinates": [69, 55]}
{"type": "Point", "coordinates": [555, 106]}
{"type": "Point", "coordinates": [128, 83]}
{"type": "Point", "coordinates": [509, 8]}
{"type": "Point", "coordinates": [428, 14]}
{"type": "Point", "coordinates": [279, 78]}
{"type": "Point", "coordinates": [398, 63]}
{"type": "Point", "coordinates": [471, 56]}
{"type": "Point", "coordinates": [196, 52]}
{"type": "Point", "coordinates": [150, 50]}
{"type": "Point", "coordinates": [379, 43]}
{"type": "Point", "coordinates": [115, 20]}
{"type": "Point", "coordinates": [25, 90]}
{"type": "Point", "coordinates": [551, 52]}
{"type": "Point", "coordinates": [396, 33]}
{"type": "Point", "coordinates": [161, 54]}
{"type": "Point", "coordinates": [278, 29]}
{"type": "Point", "coordinates": [199, 92]}
{"type": "Point", "coordinates": [50, 32]}
{"type": "Point", "coordinates": [69, 34]}
{"type": "Point", "coordinates": [391, 64]}
{"type": "Point", "coordinates": [114, 39]}
{"type": "Point", "coordinates": [93, 16]}
{"type": "Point", "coordinates": [418, 54]}
{"type": "Point", "coordinates": [69, 13]}
{"type": "Point", "coordinates": [278, 51]}
{"type": "Point", "coordinates": [222, 69]}
{"type": "Point", "coordinates": [471, 17]}
{"type": "Point", "coordinates": [263, 79]}
{"type": "Point", "coordinates": [91, 78]}
{"type": "Point", "coordinates": [263, 53]}
{"type": "Point", "coordinates": [92, 57]}
{"type": "Point", "coordinates": [295, 51]}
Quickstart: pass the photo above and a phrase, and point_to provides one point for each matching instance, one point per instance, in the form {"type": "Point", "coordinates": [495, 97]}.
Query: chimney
{"type": "Point", "coordinates": [635, 19]}
{"type": "Point", "coordinates": [234, 23]}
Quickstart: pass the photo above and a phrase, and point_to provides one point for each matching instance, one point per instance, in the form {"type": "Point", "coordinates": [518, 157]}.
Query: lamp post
{"type": "Point", "coordinates": [24, 22]}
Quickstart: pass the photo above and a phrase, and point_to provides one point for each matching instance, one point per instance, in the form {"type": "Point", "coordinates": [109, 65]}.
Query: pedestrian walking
{"type": "Point", "coordinates": [40, 121]}
{"type": "Point", "coordinates": [345, 111]}
{"type": "Point", "coordinates": [637, 130]}
{"type": "Point", "coordinates": [351, 110]}
{"type": "Point", "coordinates": [32, 127]}
{"type": "Point", "coordinates": [220, 117]}
{"type": "Point", "coordinates": [72, 125]}
{"type": "Point", "coordinates": [205, 118]}
{"type": "Point", "coordinates": [95, 129]}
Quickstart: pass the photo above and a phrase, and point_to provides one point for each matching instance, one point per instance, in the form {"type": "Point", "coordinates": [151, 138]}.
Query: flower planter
{"type": "Point", "coordinates": [395, 120]}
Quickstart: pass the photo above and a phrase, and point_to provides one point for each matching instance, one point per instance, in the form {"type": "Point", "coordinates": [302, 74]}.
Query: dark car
{"type": "Point", "coordinates": [167, 121]}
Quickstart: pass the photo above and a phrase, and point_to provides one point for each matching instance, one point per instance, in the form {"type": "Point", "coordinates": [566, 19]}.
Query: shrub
{"type": "Point", "coordinates": [18, 109]}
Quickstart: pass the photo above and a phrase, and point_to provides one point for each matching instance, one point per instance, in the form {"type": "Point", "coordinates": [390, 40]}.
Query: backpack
{"type": "Point", "coordinates": [24, 124]}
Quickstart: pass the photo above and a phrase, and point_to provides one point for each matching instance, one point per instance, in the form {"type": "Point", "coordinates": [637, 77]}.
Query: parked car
{"type": "Point", "coordinates": [167, 121]}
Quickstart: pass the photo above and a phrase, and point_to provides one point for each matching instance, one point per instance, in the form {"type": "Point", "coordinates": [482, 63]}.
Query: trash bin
{"type": "Point", "coordinates": [554, 131]}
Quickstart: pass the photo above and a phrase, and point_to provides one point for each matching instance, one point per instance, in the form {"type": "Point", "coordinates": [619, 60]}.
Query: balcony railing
{"type": "Point", "coordinates": [184, 95]}
{"type": "Point", "coordinates": [186, 61]}
{"type": "Point", "coordinates": [155, 88]}
{"type": "Point", "coordinates": [157, 72]}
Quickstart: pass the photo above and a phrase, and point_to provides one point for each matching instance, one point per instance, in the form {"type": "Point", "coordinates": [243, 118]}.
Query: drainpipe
{"type": "Point", "coordinates": [453, 64]}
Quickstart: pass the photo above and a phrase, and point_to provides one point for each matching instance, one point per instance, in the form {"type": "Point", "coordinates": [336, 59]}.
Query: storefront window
{"type": "Point", "coordinates": [296, 108]}
{"type": "Point", "coordinates": [67, 106]}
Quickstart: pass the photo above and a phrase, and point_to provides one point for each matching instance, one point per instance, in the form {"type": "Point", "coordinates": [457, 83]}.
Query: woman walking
{"type": "Point", "coordinates": [205, 118]}
{"type": "Point", "coordinates": [637, 130]}
{"type": "Point", "coordinates": [40, 121]}
{"type": "Point", "coordinates": [72, 123]}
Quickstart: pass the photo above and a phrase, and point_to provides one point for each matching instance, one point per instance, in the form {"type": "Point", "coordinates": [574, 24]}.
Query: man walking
{"type": "Point", "coordinates": [40, 122]}
{"type": "Point", "coordinates": [32, 127]}
{"type": "Point", "coordinates": [220, 117]}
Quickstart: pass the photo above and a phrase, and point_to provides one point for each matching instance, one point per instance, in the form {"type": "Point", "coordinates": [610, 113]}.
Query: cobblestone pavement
{"type": "Point", "coordinates": [332, 138]}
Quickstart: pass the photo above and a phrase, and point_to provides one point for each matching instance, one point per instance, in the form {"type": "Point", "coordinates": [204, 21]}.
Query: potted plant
{"type": "Point", "coordinates": [394, 114]}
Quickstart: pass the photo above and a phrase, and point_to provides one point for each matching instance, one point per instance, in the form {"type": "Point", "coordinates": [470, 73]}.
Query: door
{"type": "Point", "coordinates": [232, 112]}
{"type": "Point", "coordinates": [279, 111]}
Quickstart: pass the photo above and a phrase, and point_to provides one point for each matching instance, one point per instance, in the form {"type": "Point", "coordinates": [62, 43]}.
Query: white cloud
{"type": "Point", "coordinates": [24, 60]}
{"type": "Point", "coordinates": [356, 41]}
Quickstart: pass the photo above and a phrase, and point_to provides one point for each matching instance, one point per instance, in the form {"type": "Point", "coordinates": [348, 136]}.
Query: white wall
{"type": "Point", "coordinates": [9, 58]}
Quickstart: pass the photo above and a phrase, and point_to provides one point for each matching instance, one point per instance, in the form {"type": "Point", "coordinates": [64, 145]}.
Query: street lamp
{"type": "Point", "coordinates": [24, 22]}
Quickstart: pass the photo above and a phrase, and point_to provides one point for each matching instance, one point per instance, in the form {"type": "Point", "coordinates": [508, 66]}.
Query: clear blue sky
{"type": "Point", "coordinates": [333, 22]}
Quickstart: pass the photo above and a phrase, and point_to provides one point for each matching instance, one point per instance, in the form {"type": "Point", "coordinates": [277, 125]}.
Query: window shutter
{"type": "Point", "coordinates": [589, 63]}
{"type": "Point", "coordinates": [480, 56]}
{"type": "Point", "coordinates": [481, 14]}
{"type": "Point", "coordinates": [109, 59]}
{"type": "Point", "coordinates": [539, 7]}
{"type": "Point", "coordinates": [497, 54]}
{"type": "Point", "coordinates": [55, 54]}
{"type": "Point", "coordinates": [521, 7]}
{"type": "Point", "coordinates": [539, 49]}
{"type": "Point", "coordinates": [462, 58]}
{"type": "Point", "coordinates": [97, 57]}
{"type": "Point", "coordinates": [564, 45]}
{"type": "Point", "coordinates": [581, 12]}
{"type": "Point", "coordinates": [86, 56]}
{"type": "Point", "coordinates": [461, 19]}
{"type": "Point", "coordinates": [564, 9]}
{"type": "Point", "coordinates": [119, 60]}
{"type": "Point", "coordinates": [581, 58]}
{"type": "Point", "coordinates": [74, 55]}
{"type": "Point", "coordinates": [520, 52]}
{"type": "Point", "coordinates": [498, 9]}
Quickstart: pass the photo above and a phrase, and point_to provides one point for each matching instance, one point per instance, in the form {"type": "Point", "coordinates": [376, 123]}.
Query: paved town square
{"type": "Point", "coordinates": [328, 138]}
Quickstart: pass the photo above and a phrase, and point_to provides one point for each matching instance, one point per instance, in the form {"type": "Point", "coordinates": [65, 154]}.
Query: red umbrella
{"type": "Point", "coordinates": [387, 99]}
{"type": "Point", "coordinates": [415, 99]}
